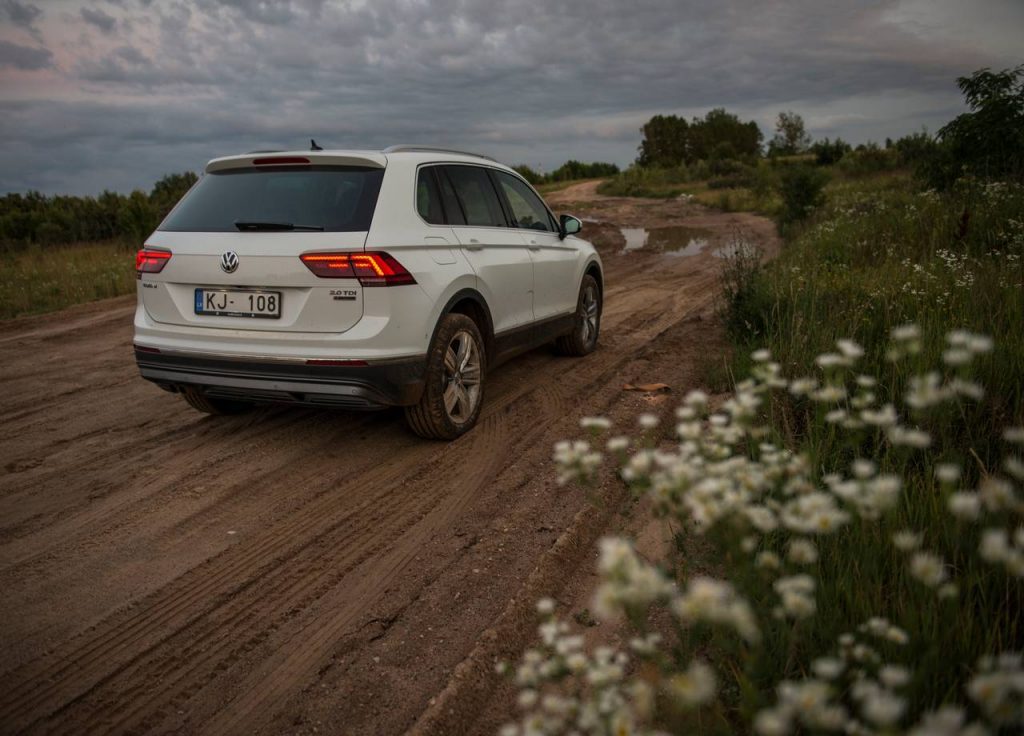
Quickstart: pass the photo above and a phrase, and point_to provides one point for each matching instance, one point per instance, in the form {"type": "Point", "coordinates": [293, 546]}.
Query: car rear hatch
{"type": "Point", "coordinates": [237, 238]}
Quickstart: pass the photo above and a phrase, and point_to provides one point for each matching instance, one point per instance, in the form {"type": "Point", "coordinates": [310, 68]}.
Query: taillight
{"type": "Point", "coordinates": [151, 261]}
{"type": "Point", "coordinates": [372, 269]}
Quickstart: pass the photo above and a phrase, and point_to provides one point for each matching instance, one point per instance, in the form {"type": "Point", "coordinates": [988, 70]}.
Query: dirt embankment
{"type": "Point", "coordinates": [296, 571]}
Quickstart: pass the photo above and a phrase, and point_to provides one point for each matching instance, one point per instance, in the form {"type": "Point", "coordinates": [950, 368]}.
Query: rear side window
{"type": "Point", "coordinates": [335, 198]}
{"type": "Point", "coordinates": [476, 195]}
{"type": "Point", "coordinates": [428, 198]}
{"type": "Point", "coordinates": [527, 209]}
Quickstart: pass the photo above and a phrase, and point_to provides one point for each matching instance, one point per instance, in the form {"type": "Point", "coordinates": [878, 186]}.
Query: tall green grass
{"type": "Point", "coordinates": [39, 279]}
{"type": "Point", "coordinates": [878, 256]}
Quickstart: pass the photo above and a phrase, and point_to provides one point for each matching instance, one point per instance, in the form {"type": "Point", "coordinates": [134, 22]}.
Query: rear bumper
{"type": "Point", "coordinates": [377, 385]}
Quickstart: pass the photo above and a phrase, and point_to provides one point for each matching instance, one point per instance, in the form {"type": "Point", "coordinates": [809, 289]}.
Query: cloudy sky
{"type": "Point", "coordinates": [112, 94]}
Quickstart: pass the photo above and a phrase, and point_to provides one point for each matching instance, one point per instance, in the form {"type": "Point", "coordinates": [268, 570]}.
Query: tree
{"type": "Point", "coordinates": [828, 152]}
{"type": "Point", "coordinates": [669, 140]}
{"type": "Point", "coordinates": [169, 190]}
{"type": "Point", "coordinates": [988, 141]}
{"type": "Point", "coordinates": [790, 135]}
{"type": "Point", "coordinates": [665, 141]}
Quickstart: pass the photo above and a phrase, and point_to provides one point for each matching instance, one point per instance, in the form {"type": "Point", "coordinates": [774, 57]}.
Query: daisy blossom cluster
{"type": "Point", "coordinates": [717, 654]}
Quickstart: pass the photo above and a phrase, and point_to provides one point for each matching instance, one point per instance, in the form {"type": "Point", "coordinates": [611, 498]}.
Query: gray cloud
{"type": "Point", "coordinates": [23, 57]}
{"type": "Point", "coordinates": [175, 83]}
{"type": "Point", "coordinates": [20, 14]}
{"type": "Point", "coordinates": [96, 17]}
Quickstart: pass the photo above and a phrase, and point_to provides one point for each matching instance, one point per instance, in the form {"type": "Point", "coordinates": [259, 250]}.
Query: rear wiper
{"type": "Point", "coordinates": [253, 225]}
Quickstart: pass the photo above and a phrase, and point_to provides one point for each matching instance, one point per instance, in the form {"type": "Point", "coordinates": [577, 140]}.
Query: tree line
{"type": "Point", "coordinates": [50, 220]}
{"type": "Point", "coordinates": [986, 142]}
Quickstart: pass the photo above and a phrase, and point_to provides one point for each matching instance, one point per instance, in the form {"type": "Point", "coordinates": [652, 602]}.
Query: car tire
{"type": "Point", "coordinates": [454, 389]}
{"type": "Point", "coordinates": [218, 407]}
{"type": "Point", "coordinates": [587, 324]}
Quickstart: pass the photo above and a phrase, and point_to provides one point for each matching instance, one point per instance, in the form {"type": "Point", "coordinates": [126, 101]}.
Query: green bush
{"type": "Point", "coordinates": [802, 189]}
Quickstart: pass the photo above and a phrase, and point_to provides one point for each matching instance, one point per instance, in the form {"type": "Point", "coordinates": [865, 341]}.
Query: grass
{"type": "Point", "coordinates": [42, 279]}
{"type": "Point", "coordinates": [880, 255]}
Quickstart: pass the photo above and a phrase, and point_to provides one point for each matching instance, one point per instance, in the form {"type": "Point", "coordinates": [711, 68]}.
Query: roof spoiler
{"type": "Point", "coordinates": [269, 159]}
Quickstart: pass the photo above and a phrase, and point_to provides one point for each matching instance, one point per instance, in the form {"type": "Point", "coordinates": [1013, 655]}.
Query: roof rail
{"type": "Point", "coordinates": [433, 149]}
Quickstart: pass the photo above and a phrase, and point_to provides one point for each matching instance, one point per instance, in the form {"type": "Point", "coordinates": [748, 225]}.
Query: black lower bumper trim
{"type": "Point", "coordinates": [375, 386]}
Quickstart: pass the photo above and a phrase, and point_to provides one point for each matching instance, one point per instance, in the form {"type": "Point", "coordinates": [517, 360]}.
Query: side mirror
{"type": "Point", "coordinates": [568, 225]}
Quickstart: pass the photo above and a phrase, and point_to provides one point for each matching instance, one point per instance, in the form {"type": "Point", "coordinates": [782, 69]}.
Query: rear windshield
{"type": "Point", "coordinates": [335, 198]}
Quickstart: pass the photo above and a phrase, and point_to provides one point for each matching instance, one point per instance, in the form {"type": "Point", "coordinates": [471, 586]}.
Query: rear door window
{"type": "Point", "coordinates": [527, 209]}
{"type": "Point", "coordinates": [335, 198]}
{"type": "Point", "coordinates": [476, 195]}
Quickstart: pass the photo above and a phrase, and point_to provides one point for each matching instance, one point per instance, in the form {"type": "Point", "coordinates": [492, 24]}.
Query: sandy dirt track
{"type": "Point", "coordinates": [297, 571]}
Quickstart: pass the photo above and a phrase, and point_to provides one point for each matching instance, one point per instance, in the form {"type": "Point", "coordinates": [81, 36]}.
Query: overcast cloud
{"type": "Point", "coordinates": [112, 95]}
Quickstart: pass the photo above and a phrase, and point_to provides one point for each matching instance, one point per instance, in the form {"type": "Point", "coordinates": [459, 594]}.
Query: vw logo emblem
{"type": "Point", "coordinates": [229, 262]}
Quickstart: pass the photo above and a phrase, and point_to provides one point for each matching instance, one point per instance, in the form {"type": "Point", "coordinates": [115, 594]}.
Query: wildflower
{"type": "Point", "coordinates": [714, 601]}
{"type": "Point", "coordinates": [947, 472]}
{"type": "Point", "coordinates": [997, 494]}
{"type": "Point", "coordinates": [831, 360]}
{"type": "Point", "coordinates": [946, 721]}
{"type": "Point", "coordinates": [893, 676]}
{"type": "Point", "coordinates": [802, 386]}
{"type": "Point", "coordinates": [998, 689]}
{"type": "Point", "coordinates": [761, 356]}
{"type": "Point", "coordinates": [628, 584]}
{"type": "Point", "coordinates": [883, 708]}
{"type": "Point", "coordinates": [1014, 434]}
{"type": "Point", "coordinates": [906, 333]}
{"type": "Point", "coordinates": [964, 505]}
{"type": "Point", "coordinates": [828, 668]}
{"type": "Point", "coordinates": [829, 394]}
{"type": "Point", "coordinates": [545, 606]}
{"type": "Point", "coordinates": [906, 540]}
{"type": "Point", "coordinates": [768, 560]}
{"type": "Point", "coordinates": [909, 437]}
{"type": "Point", "coordinates": [527, 699]}
{"type": "Point", "coordinates": [762, 518]}
{"type": "Point", "coordinates": [618, 444]}
{"type": "Point", "coordinates": [956, 357]}
{"type": "Point", "coordinates": [995, 545]}
{"type": "Point", "coordinates": [772, 722]}
{"type": "Point", "coordinates": [648, 421]}
{"type": "Point", "coordinates": [884, 417]}
{"type": "Point", "coordinates": [928, 568]}
{"type": "Point", "coordinates": [803, 552]}
{"type": "Point", "coordinates": [796, 592]}
{"type": "Point", "coordinates": [850, 350]}
{"type": "Point", "coordinates": [695, 686]}
{"type": "Point", "coordinates": [696, 399]}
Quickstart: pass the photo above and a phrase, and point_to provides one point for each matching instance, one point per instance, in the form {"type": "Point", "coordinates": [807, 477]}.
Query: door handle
{"type": "Point", "coordinates": [474, 244]}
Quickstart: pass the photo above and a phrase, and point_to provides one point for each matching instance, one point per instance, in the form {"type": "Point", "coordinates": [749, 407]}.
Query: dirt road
{"type": "Point", "coordinates": [293, 571]}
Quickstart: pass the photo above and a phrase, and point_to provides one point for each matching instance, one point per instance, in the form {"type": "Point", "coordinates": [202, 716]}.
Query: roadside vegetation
{"type": "Point", "coordinates": [860, 492]}
{"type": "Point", "coordinates": [59, 251]}
{"type": "Point", "coordinates": [39, 279]}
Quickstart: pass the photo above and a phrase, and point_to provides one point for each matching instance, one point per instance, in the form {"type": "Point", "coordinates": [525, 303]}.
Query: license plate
{"type": "Point", "coordinates": [238, 303]}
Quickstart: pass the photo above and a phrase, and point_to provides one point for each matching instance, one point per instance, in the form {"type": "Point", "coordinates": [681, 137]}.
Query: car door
{"type": "Point", "coordinates": [497, 253]}
{"type": "Point", "coordinates": [555, 260]}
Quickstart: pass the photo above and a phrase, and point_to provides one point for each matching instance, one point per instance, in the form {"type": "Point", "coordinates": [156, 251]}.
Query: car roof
{"type": "Point", "coordinates": [340, 157]}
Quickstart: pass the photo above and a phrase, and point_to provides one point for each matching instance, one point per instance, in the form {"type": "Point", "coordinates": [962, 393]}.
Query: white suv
{"type": "Point", "coordinates": [359, 279]}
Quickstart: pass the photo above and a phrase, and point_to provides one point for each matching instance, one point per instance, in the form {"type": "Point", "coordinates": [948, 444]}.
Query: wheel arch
{"type": "Point", "coordinates": [593, 268]}
{"type": "Point", "coordinates": [471, 303]}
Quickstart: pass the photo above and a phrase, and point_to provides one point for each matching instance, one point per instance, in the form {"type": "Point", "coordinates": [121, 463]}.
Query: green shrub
{"type": "Point", "coordinates": [802, 189]}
